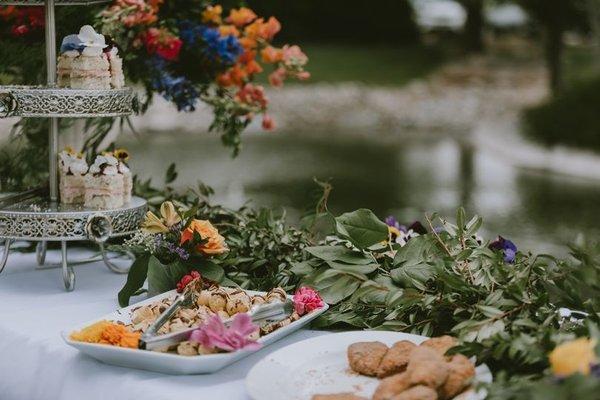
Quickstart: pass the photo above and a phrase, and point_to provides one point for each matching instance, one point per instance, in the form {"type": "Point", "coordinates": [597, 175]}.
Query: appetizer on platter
{"type": "Point", "coordinates": [219, 315]}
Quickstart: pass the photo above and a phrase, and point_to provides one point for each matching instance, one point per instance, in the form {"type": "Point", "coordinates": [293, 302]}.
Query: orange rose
{"type": "Point", "coordinates": [253, 68]}
{"type": "Point", "coordinates": [269, 29]}
{"type": "Point", "coordinates": [226, 30]}
{"type": "Point", "coordinates": [212, 14]}
{"type": "Point", "coordinates": [214, 243]}
{"type": "Point", "coordinates": [271, 55]}
{"type": "Point", "coordinates": [241, 17]}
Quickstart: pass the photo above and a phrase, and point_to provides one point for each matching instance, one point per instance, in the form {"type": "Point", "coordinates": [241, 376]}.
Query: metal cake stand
{"type": "Point", "coordinates": [44, 219]}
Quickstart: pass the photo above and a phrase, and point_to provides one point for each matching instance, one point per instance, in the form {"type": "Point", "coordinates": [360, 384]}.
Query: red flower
{"type": "Point", "coordinates": [163, 43]}
{"type": "Point", "coordinates": [170, 51]}
{"type": "Point", "coordinates": [307, 300]}
{"type": "Point", "coordinates": [186, 280]}
{"type": "Point", "coordinates": [19, 30]}
{"type": "Point", "coordinates": [253, 96]}
{"type": "Point", "coordinates": [267, 123]}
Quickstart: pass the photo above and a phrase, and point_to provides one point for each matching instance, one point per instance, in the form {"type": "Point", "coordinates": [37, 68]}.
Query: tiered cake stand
{"type": "Point", "coordinates": [43, 218]}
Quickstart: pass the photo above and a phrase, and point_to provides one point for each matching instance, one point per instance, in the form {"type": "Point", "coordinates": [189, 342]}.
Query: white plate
{"type": "Point", "coordinates": [172, 363]}
{"type": "Point", "coordinates": [319, 366]}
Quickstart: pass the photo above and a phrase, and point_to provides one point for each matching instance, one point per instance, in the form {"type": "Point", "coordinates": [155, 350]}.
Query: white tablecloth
{"type": "Point", "coordinates": [36, 364]}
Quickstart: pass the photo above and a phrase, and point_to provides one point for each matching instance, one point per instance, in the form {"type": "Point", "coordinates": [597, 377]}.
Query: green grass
{"type": "Point", "coordinates": [371, 65]}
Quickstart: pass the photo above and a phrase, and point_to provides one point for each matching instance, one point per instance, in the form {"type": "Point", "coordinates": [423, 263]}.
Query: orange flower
{"type": "Point", "coordinates": [248, 43]}
{"type": "Point", "coordinates": [270, 28]}
{"type": "Point", "coordinates": [119, 335]}
{"type": "Point", "coordinates": [229, 30]}
{"type": "Point", "coordinates": [271, 55]}
{"type": "Point", "coordinates": [252, 67]}
{"type": "Point", "coordinates": [224, 80]}
{"type": "Point", "coordinates": [212, 14]}
{"type": "Point", "coordinates": [242, 16]}
{"type": "Point", "coordinates": [7, 11]}
{"type": "Point", "coordinates": [107, 332]}
{"type": "Point", "coordinates": [214, 243]}
{"type": "Point", "coordinates": [237, 75]}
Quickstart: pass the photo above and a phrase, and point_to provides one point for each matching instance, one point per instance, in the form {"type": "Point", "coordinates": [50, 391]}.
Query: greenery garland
{"type": "Point", "coordinates": [446, 280]}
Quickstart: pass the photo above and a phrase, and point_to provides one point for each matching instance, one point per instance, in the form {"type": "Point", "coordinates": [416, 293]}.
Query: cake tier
{"type": "Point", "coordinates": [45, 102]}
{"type": "Point", "coordinates": [40, 219]}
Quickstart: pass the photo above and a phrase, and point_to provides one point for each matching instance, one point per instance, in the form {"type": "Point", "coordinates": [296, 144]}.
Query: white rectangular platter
{"type": "Point", "coordinates": [172, 363]}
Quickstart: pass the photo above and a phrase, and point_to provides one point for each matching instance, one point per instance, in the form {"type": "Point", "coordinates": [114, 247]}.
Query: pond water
{"type": "Point", "coordinates": [540, 211]}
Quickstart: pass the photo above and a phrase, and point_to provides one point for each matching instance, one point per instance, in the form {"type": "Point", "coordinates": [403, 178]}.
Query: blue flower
{"type": "Point", "coordinates": [71, 42]}
{"type": "Point", "coordinates": [177, 89]}
{"type": "Point", "coordinates": [506, 246]}
{"type": "Point", "coordinates": [222, 49]}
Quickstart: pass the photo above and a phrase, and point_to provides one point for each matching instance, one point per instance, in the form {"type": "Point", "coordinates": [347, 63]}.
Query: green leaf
{"type": "Point", "coordinates": [358, 269]}
{"type": "Point", "coordinates": [135, 279]}
{"type": "Point", "coordinates": [417, 250]}
{"type": "Point", "coordinates": [210, 270]}
{"type": "Point", "coordinates": [413, 275]}
{"type": "Point", "coordinates": [489, 311]}
{"type": "Point", "coordinates": [362, 228]}
{"type": "Point", "coordinates": [159, 280]}
{"type": "Point", "coordinates": [342, 287]}
{"type": "Point", "coordinates": [339, 253]}
{"type": "Point", "coordinates": [171, 174]}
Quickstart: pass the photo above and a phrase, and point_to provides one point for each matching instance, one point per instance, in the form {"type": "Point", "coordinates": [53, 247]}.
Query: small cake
{"type": "Point", "coordinates": [64, 67]}
{"type": "Point", "coordinates": [72, 171]}
{"type": "Point", "coordinates": [117, 79]}
{"type": "Point", "coordinates": [104, 184]}
{"type": "Point", "coordinates": [87, 62]}
{"type": "Point", "coordinates": [123, 156]}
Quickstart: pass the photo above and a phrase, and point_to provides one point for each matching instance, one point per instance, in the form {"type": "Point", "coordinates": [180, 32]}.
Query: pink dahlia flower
{"type": "Point", "coordinates": [307, 300]}
{"type": "Point", "coordinates": [214, 333]}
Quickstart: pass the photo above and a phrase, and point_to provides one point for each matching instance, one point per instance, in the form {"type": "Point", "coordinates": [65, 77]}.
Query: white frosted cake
{"type": "Point", "coordinates": [87, 62]}
{"type": "Point", "coordinates": [72, 171]}
{"type": "Point", "coordinates": [104, 184]}
{"type": "Point", "coordinates": [123, 156]}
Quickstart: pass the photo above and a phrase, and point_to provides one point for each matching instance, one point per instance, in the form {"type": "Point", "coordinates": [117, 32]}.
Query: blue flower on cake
{"type": "Point", "coordinates": [86, 62]}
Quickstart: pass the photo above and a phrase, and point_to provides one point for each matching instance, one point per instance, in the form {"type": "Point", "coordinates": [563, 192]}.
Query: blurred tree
{"type": "Point", "coordinates": [594, 13]}
{"type": "Point", "coordinates": [473, 33]}
{"type": "Point", "coordinates": [556, 17]}
{"type": "Point", "coordinates": [342, 21]}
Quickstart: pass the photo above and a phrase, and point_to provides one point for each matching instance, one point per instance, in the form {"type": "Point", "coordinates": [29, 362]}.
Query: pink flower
{"type": "Point", "coordinates": [307, 300]}
{"type": "Point", "coordinates": [235, 337]}
{"type": "Point", "coordinates": [267, 123]}
{"type": "Point", "coordinates": [277, 77]}
{"type": "Point", "coordinates": [304, 75]}
{"type": "Point", "coordinates": [294, 55]}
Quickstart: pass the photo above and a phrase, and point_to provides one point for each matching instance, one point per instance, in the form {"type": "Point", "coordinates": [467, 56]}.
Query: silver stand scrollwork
{"type": "Point", "coordinates": [44, 219]}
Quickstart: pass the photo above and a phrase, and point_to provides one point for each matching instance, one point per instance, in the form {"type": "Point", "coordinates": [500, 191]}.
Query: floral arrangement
{"type": "Point", "coordinates": [189, 52]}
{"type": "Point", "coordinates": [215, 335]}
{"type": "Point", "coordinates": [192, 52]}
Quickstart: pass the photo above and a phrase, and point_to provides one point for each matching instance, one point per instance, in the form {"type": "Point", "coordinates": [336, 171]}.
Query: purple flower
{"type": "Point", "coordinates": [181, 252]}
{"type": "Point", "coordinates": [214, 334]}
{"type": "Point", "coordinates": [392, 221]}
{"type": "Point", "coordinates": [505, 245]}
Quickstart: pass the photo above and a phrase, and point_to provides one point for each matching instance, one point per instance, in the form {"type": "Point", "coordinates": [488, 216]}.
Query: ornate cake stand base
{"type": "Point", "coordinates": [43, 221]}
